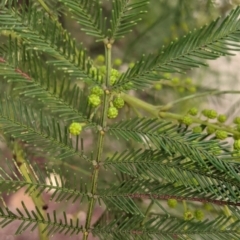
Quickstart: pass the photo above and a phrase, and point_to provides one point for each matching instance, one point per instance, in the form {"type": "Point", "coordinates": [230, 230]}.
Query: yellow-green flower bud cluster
{"type": "Point", "coordinates": [118, 102]}
{"type": "Point", "coordinates": [75, 128]}
{"type": "Point", "coordinates": [209, 113]}
{"type": "Point", "coordinates": [114, 76]}
{"type": "Point", "coordinates": [236, 145]}
{"type": "Point", "coordinates": [112, 112]}
{"type": "Point", "coordinates": [188, 215]}
{"type": "Point", "coordinates": [172, 203]}
{"type": "Point", "coordinates": [222, 118]}
{"type": "Point", "coordinates": [187, 120]}
{"type": "Point", "coordinates": [199, 215]}
{"type": "Point", "coordinates": [94, 100]}
{"type": "Point", "coordinates": [183, 84]}
{"type": "Point", "coordinates": [220, 134]}
{"type": "Point", "coordinates": [197, 129]}
{"type": "Point", "coordinates": [193, 111]}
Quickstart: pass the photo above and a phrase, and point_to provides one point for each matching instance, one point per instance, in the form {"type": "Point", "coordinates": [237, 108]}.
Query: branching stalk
{"type": "Point", "coordinates": [28, 174]}
{"type": "Point", "coordinates": [108, 49]}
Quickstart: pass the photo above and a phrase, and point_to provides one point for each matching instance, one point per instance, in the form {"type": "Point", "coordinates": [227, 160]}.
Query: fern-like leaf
{"type": "Point", "coordinates": [88, 13]}
{"type": "Point", "coordinates": [30, 220]}
{"type": "Point", "coordinates": [34, 79]}
{"type": "Point", "coordinates": [168, 138]}
{"type": "Point", "coordinates": [209, 183]}
{"type": "Point", "coordinates": [167, 228]}
{"type": "Point", "coordinates": [125, 15]}
{"type": "Point", "coordinates": [41, 34]}
{"type": "Point", "coordinates": [207, 43]}
{"type": "Point", "coordinates": [30, 126]}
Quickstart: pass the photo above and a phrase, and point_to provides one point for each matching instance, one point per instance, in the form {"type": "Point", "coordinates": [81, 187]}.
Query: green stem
{"type": "Point", "coordinates": [228, 213]}
{"type": "Point", "coordinates": [45, 7]}
{"type": "Point", "coordinates": [147, 212]}
{"type": "Point", "coordinates": [208, 93]}
{"type": "Point", "coordinates": [108, 48]}
{"type": "Point", "coordinates": [30, 177]}
{"type": "Point", "coordinates": [138, 103]}
{"type": "Point", "coordinates": [216, 126]}
{"type": "Point", "coordinates": [157, 111]}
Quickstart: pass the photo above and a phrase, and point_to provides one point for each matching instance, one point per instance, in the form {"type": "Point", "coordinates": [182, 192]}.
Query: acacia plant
{"type": "Point", "coordinates": [82, 123]}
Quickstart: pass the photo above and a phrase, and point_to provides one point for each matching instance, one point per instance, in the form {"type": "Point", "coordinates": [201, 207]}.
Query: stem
{"type": "Point", "coordinates": [45, 7]}
{"type": "Point", "coordinates": [197, 120]}
{"type": "Point", "coordinates": [157, 111]}
{"type": "Point", "coordinates": [135, 102]}
{"type": "Point", "coordinates": [108, 48]}
{"type": "Point", "coordinates": [228, 213]}
{"type": "Point", "coordinates": [147, 212]}
{"type": "Point", "coordinates": [208, 93]}
{"type": "Point", "coordinates": [29, 176]}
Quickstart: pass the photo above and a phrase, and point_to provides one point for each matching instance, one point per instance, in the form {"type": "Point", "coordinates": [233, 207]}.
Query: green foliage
{"type": "Point", "coordinates": [82, 114]}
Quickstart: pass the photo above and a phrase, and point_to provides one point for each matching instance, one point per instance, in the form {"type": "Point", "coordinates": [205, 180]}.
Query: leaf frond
{"type": "Point", "coordinates": [168, 138]}
{"type": "Point", "coordinates": [209, 183]}
{"type": "Point", "coordinates": [88, 13]}
{"type": "Point", "coordinates": [30, 220]}
{"type": "Point", "coordinates": [60, 189]}
{"type": "Point", "coordinates": [22, 122]}
{"type": "Point", "coordinates": [41, 34]}
{"type": "Point", "coordinates": [219, 38]}
{"type": "Point", "coordinates": [167, 228]}
{"type": "Point", "coordinates": [34, 79]}
{"type": "Point", "coordinates": [125, 15]}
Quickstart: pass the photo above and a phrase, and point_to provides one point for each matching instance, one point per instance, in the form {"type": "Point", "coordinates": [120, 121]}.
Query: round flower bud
{"type": "Point", "coordinates": [131, 65]}
{"type": "Point", "coordinates": [114, 72]}
{"type": "Point", "coordinates": [187, 120]}
{"type": "Point", "coordinates": [75, 128]}
{"type": "Point", "coordinates": [118, 102]}
{"type": "Point", "coordinates": [188, 215]}
{"type": "Point", "coordinates": [117, 62]}
{"type": "Point", "coordinates": [208, 206]}
{"type": "Point", "coordinates": [94, 100]}
{"type": "Point", "coordinates": [172, 203]}
{"type": "Point", "coordinates": [158, 86]}
{"type": "Point", "coordinates": [112, 112]}
{"type": "Point", "coordinates": [166, 76]}
{"type": "Point", "coordinates": [236, 120]}
{"type": "Point", "coordinates": [205, 112]}
{"type": "Point", "coordinates": [175, 80]}
{"type": "Point", "coordinates": [212, 114]}
{"type": "Point", "coordinates": [216, 150]}
{"type": "Point", "coordinates": [100, 59]}
{"type": "Point", "coordinates": [220, 134]}
{"type": "Point", "coordinates": [193, 111]}
{"type": "Point", "coordinates": [128, 86]}
{"type": "Point", "coordinates": [222, 118]}
{"type": "Point", "coordinates": [181, 89]}
{"type": "Point", "coordinates": [97, 91]}
{"type": "Point", "coordinates": [210, 130]}
{"type": "Point", "coordinates": [199, 215]}
{"type": "Point", "coordinates": [102, 70]}
{"type": "Point", "coordinates": [192, 89]}
{"type": "Point", "coordinates": [188, 81]}
{"type": "Point", "coordinates": [112, 80]}
{"type": "Point", "coordinates": [236, 144]}
{"type": "Point", "coordinates": [114, 75]}
{"type": "Point", "coordinates": [197, 129]}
